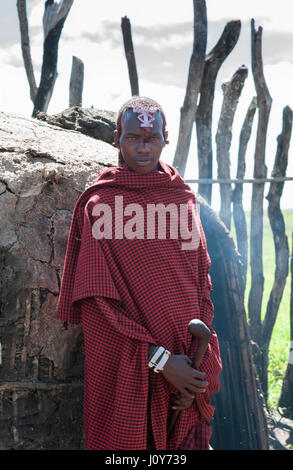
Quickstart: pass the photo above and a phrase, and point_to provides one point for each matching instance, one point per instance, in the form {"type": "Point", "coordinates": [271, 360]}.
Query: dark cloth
{"type": "Point", "coordinates": [129, 293]}
{"type": "Point", "coordinates": [199, 436]}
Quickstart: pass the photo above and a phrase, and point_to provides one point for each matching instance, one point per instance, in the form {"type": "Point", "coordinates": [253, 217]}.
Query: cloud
{"type": "Point", "coordinates": [154, 37]}
{"type": "Point", "coordinates": [9, 23]}
{"type": "Point", "coordinates": [14, 61]}
{"type": "Point", "coordinates": [163, 51]}
{"type": "Point", "coordinates": [9, 29]}
{"type": "Point", "coordinates": [278, 47]}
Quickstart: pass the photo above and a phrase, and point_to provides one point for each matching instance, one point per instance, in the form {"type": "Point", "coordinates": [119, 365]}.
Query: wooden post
{"type": "Point", "coordinates": [25, 48]}
{"type": "Point", "coordinates": [232, 91]}
{"type": "Point", "coordinates": [130, 56]}
{"type": "Point", "coordinates": [286, 398]}
{"type": "Point", "coordinates": [264, 102]}
{"type": "Point", "coordinates": [196, 67]}
{"type": "Point", "coordinates": [238, 211]}
{"type": "Point", "coordinates": [76, 82]}
{"type": "Point", "coordinates": [280, 240]}
{"type": "Point", "coordinates": [213, 62]}
{"type": "Point", "coordinates": [53, 21]}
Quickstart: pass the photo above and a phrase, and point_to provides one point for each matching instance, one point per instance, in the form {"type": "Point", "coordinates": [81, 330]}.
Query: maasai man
{"type": "Point", "coordinates": [136, 273]}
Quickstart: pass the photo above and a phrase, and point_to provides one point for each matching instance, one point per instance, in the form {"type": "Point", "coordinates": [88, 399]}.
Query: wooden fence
{"type": "Point", "coordinates": [282, 257]}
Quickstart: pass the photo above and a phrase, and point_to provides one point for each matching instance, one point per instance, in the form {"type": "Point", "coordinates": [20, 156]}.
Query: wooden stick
{"type": "Point", "coordinates": [278, 225]}
{"type": "Point", "coordinates": [25, 48]}
{"type": "Point", "coordinates": [76, 82]}
{"type": "Point", "coordinates": [238, 211]}
{"type": "Point", "coordinates": [195, 73]}
{"type": "Point", "coordinates": [202, 333]}
{"type": "Point", "coordinates": [264, 102]}
{"type": "Point", "coordinates": [232, 91]}
{"type": "Point", "coordinates": [204, 112]}
{"type": "Point", "coordinates": [130, 56]}
{"type": "Point", "coordinates": [286, 397]}
{"type": "Point", "coordinates": [54, 18]}
{"type": "Point", "coordinates": [240, 181]}
{"type": "Point", "coordinates": [280, 241]}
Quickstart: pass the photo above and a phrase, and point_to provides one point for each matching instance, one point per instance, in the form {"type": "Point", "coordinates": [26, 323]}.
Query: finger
{"type": "Point", "coordinates": [180, 407]}
{"type": "Point", "coordinates": [197, 387]}
{"type": "Point", "coordinates": [197, 383]}
{"type": "Point", "coordinates": [199, 374]}
{"type": "Point", "coordinates": [184, 402]}
{"type": "Point", "coordinates": [198, 390]}
{"type": "Point", "coordinates": [188, 360]}
{"type": "Point", "coordinates": [186, 394]}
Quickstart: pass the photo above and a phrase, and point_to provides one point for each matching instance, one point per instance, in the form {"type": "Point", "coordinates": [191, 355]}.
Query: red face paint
{"type": "Point", "coordinates": [146, 117]}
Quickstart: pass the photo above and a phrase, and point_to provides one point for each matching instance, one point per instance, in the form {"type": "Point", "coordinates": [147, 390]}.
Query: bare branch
{"type": "Point", "coordinates": [25, 47]}
{"type": "Point", "coordinates": [53, 21]}
{"type": "Point", "coordinates": [232, 91]}
{"type": "Point", "coordinates": [238, 211]}
{"type": "Point", "coordinates": [278, 226]}
{"type": "Point", "coordinates": [264, 102]}
{"type": "Point", "coordinates": [55, 12]}
{"type": "Point", "coordinates": [213, 62]}
{"type": "Point", "coordinates": [76, 82]}
{"type": "Point", "coordinates": [196, 67]}
{"type": "Point", "coordinates": [130, 56]}
{"type": "Point", "coordinates": [286, 398]}
{"type": "Point", "coordinates": [281, 245]}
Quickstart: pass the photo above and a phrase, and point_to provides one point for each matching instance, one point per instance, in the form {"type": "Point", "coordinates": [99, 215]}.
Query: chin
{"type": "Point", "coordinates": [145, 170]}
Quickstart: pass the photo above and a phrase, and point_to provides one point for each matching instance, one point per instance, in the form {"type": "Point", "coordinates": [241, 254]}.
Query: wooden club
{"type": "Point", "coordinates": [202, 333]}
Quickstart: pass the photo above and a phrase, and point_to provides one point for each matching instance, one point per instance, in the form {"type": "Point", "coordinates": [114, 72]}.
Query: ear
{"type": "Point", "coordinates": [166, 137]}
{"type": "Point", "coordinates": [116, 142]}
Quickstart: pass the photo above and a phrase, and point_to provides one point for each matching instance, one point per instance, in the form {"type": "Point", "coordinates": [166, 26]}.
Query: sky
{"type": "Point", "coordinates": [162, 32]}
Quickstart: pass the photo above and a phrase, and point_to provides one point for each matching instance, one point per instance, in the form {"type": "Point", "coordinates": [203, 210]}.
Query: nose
{"type": "Point", "coordinates": [143, 148]}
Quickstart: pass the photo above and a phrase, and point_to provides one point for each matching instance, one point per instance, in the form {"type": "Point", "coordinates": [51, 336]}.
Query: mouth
{"type": "Point", "coordinates": [143, 160]}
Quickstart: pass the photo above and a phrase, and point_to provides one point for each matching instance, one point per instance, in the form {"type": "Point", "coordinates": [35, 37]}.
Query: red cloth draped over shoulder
{"type": "Point", "coordinates": [129, 292]}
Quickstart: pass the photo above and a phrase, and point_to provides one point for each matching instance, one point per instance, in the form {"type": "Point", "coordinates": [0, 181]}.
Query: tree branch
{"type": "Point", "coordinates": [54, 13]}
{"type": "Point", "coordinates": [54, 18]}
{"type": "Point", "coordinates": [76, 82]}
{"type": "Point", "coordinates": [196, 67]}
{"type": "Point", "coordinates": [278, 227]}
{"type": "Point", "coordinates": [281, 244]}
{"type": "Point", "coordinates": [25, 47]}
{"type": "Point", "coordinates": [238, 211]}
{"type": "Point", "coordinates": [232, 91]}
{"type": "Point", "coordinates": [130, 56]}
{"type": "Point", "coordinates": [264, 102]}
{"type": "Point", "coordinates": [213, 62]}
{"type": "Point", "coordinates": [286, 398]}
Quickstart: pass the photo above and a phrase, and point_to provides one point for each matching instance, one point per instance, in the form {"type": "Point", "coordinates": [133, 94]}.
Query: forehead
{"type": "Point", "coordinates": [131, 123]}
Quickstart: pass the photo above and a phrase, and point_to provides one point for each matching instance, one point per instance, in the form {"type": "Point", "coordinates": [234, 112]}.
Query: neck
{"type": "Point", "coordinates": [158, 167]}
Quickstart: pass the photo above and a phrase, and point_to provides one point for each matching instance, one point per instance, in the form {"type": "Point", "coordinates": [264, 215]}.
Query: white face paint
{"type": "Point", "coordinates": [145, 116]}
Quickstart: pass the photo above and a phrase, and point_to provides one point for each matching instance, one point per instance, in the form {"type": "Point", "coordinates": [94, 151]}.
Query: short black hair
{"type": "Point", "coordinates": [140, 102]}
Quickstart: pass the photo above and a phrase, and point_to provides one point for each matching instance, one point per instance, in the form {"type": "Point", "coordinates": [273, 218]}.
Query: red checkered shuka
{"type": "Point", "coordinates": [130, 291]}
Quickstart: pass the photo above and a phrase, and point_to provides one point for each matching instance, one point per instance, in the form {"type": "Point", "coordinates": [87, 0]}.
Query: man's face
{"type": "Point", "coordinates": [140, 147]}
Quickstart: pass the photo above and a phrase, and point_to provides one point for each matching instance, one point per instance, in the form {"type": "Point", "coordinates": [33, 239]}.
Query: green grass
{"type": "Point", "coordinates": [279, 346]}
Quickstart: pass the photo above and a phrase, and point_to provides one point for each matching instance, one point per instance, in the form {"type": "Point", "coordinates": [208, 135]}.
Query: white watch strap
{"type": "Point", "coordinates": [157, 354]}
{"type": "Point", "coordinates": [163, 360]}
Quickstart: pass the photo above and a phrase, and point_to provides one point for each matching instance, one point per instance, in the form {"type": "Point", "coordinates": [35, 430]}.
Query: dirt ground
{"type": "Point", "coordinates": [281, 432]}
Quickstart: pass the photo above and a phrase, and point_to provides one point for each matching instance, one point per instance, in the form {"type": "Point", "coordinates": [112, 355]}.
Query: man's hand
{"type": "Point", "coordinates": [184, 378]}
{"type": "Point", "coordinates": [181, 403]}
